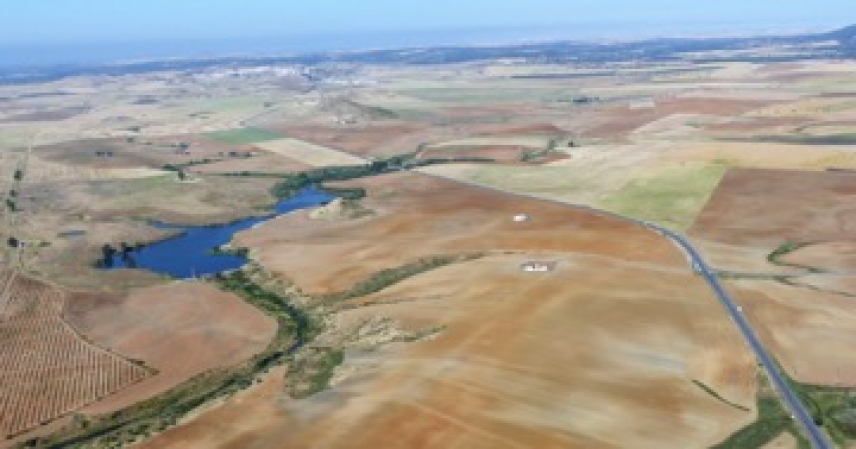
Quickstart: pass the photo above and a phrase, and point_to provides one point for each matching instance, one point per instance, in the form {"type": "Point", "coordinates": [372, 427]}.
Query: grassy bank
{"type": "Point", "coordinates": [773, 420]}
{"type": "Point", "coordinates": [831, 408]}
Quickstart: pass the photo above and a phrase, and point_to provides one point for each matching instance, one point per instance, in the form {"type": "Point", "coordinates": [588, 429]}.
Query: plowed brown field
{"type": "Point", "coordinates": [755, 207]}
{"type": "Point", "coordinates": [418, 216]}
{"type": "Point", "coordinates": [762, 209]}
{"type": "Point", "coordinates": [180, 329]}
{"type": "Point", "coordinates": [601, 352]}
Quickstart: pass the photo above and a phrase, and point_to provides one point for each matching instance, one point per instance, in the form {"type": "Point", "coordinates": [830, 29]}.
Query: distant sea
{"type": "Point", "coordinates": [43, 55]}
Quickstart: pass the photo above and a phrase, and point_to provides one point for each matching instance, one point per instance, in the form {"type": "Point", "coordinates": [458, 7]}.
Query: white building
{"type": "Point", "coordinates": [538, 267]}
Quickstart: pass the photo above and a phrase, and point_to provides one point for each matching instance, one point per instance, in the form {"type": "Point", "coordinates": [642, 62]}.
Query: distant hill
{"type": "Point", "coordinates": [846, 34]}
{"type": "Point", "coordinates": [662, 50]}
{"type": "Point", "coordinates": [846, 38]}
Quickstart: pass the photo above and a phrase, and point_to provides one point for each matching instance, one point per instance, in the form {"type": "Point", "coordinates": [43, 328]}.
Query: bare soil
{"type": "Point", "coordinates": [828, 256]}
{"type": "Point", "coordinates": [419, 216]}
{"type": "Point", "coordinates": [757, 207]}
{"type": "Point", "coordinates": [362, 140]}
{"type": "Point", "coordinates": [181, 329]}
{"type": "Point", "coordinates": [570, 358]}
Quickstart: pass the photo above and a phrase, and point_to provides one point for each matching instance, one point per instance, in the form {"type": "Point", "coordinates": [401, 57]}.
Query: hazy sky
{"type": "Point", "coordinates": [95, 21]}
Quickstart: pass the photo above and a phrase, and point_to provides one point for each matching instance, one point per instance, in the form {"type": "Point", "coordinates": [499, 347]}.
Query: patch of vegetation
{"type": "Point", "coordinates": [244, 136]}
{"type": "Point", "coordinates": [386, 278]}
{"type": "Point", "coordinates": [786, 248]}
{"type": "Point", "coordinates": [294, 182]}
{"type": "Point", "coordinates": [783, 250]}
{"type": "Point", "coordinates": [311, 370]}
{"type": "Point", "coordinates": [346, 193]}
{"type": "Point", "coordinates": [188, 164]}
{"type": "Point", "coordinates": [716, 395]}
{"type": "Point", "coordinates": [735, 275]}
{"type": "Point", "coordinates": [832, 139]}
{"type": "Point", "coordinates": [832, 408]}
{"type": "Point", "coordinates": [672, 198]}
{"type": "Point", "coordinates": [530, 156]}
{"type": "Point", "coordinates": [773, 420]}
{"type": "Point", "coordinates": [372, 112]}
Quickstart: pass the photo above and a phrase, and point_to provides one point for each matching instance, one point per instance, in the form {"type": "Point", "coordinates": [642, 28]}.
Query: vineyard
{"type": "Point", "coordinates": [47, 370]}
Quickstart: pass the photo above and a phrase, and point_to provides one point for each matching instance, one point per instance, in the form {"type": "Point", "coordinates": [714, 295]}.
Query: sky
{"type": "Point", "coordinates": [111, 21]}
{"type": "Point", "coordinates": [56, 32]}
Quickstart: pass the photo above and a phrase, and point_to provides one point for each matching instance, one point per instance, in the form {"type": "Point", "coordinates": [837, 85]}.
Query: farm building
{"type": "Point", "coordinates": [538, 267]}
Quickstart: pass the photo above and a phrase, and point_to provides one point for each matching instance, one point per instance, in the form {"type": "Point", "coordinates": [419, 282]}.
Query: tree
{"type": "Point", "coordinates": [107, 253]}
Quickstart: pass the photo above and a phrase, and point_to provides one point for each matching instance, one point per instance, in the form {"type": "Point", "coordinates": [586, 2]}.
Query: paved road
{"type": "Point", "coordinates": [788, 397]}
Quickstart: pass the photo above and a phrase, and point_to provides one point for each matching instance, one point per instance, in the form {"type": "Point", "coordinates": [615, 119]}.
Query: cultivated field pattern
{"type": "Point", "coordinates": [46, 368]}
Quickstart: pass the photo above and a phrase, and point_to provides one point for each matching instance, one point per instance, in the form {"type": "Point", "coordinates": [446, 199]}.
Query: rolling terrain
{"type": "Point", "coordinates": [418, 310]}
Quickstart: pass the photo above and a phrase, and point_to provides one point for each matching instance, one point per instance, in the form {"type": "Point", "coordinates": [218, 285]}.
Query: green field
{"type": "Point", "coordinates": [244, 136]}
{"type": "Point", "coordinates": [670, 198]}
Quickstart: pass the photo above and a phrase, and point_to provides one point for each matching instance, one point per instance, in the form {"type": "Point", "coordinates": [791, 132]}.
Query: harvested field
{"type": "Point", "coordinates": [755, 207]}
{"type": "Point", "coordinates": [474, 97]}
{"type": "Point", "coordinates": [829, 108]}
{"type": "Point", "coordinates": [753, 126]}
{"type": "Point", "coordinates": [827, 256]}
{"type": "Point", "coordinates": [835, 284]}
{"type": "Point", "coordinates": [765, 209]}
{"type": "Point", "coordinates": [790, 319]}
{"type": "Point", "coordinates": [309, 153]}
{"type": "Point", "coordinates": [532, 142]}
{"type": "Point", "coordinates": [769, 155]}
{"type": "Point", "coordinates": [165, 198]}
{"type": "Point", "coordinates": [47, 369]}
{"type": "Point", "coordinates": [259, 163]}
{"type": "Point", "coordinates": [244, 136]}
{"type": "Point", "coordinates": [499, 153]}
{"type": "Point", "coordinates": [180, 329]}
{"type": "Point", "coordinates": [497, 374]}
{"type": "Point", "coordinates": [487, 114]}
{"type": "Point", "coordinates": [620, 121]}
{"type": "Point", "coordinates": [439, 217]}
{"type": "Point", "coordinates": [48, 115]}
{"type": "Point", "coordinates": [526, 130]}
{"type": "Point", "coordinates": [364, 140]}
{"type": "Point", "coordinates": [137, 152]}
{"type": "Point", "coordinates": [590, 174]}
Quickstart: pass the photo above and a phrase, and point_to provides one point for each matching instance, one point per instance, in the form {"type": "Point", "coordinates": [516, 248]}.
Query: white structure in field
{"type": "Point", "coordinates": [538, 267]}
{"type": "Point", "coordinates": [520, 218]}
